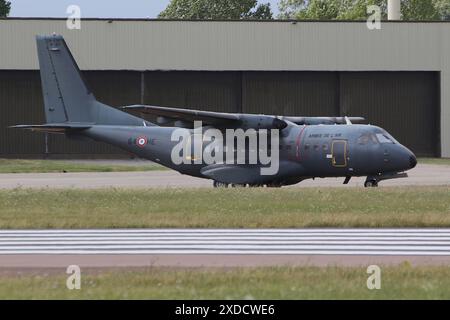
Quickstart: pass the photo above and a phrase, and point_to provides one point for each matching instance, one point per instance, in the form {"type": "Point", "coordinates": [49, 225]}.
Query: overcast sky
{"type": "Point", "coordinates": [97, 8]}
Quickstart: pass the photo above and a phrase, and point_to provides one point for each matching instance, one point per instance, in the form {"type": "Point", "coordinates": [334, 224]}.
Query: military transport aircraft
{"type": "Point", "coordinates": [305, 147]}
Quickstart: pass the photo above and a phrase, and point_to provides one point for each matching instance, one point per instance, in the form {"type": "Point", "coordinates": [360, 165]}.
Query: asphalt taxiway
{"type": "Point", "coordinates": [421, 175]}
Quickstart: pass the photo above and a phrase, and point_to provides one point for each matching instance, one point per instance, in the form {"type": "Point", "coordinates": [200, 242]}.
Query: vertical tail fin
{"type": "Point", "coordinates": [67, 98]}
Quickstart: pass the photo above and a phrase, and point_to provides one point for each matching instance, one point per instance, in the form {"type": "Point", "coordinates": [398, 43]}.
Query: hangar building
{"type": "Point", "coordinates": [397, 77]}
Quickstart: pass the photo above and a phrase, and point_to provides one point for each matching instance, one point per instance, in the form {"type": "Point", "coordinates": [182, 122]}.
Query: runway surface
{"type": "Point", "coordinates": [221, 247]}
{"type": "Point", "coordinates": [421, 175]}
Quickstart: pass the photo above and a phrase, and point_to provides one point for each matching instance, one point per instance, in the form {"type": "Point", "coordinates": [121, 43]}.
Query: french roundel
{"type": "Point", "coordinates": [141, 141]}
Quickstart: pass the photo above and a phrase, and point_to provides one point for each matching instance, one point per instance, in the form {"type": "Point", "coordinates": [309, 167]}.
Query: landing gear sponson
{"type": "Point", "coordinates": [372, 181]}
{"type": "Point", "coordinates": [218, 184]}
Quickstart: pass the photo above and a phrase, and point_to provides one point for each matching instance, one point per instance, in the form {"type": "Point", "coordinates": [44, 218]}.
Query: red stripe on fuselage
{"type": "Point", "coordinates": [299, 141]}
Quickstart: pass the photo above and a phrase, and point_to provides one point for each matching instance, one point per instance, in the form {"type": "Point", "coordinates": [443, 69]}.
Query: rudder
{"type": "Point", "coordinates": [66, 96]}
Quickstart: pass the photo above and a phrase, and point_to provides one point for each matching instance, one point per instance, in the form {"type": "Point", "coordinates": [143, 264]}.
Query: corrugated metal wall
{"type": "Point", "coordinates": [218, 91]}
{"type": "Point", "coordinates": [404, 103]}
{"type": "Point", "coordinates": [20, 102]}
{"type": "Point", "coordinates": [291, 93]}
{"type": "Point", "coordinates": [233, 45]}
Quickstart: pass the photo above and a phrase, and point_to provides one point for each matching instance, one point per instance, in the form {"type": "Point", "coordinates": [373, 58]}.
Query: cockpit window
{"type": "Point", "coordinates": [383, 138]}
{"type": "Point", "coordinates": [364, 139]}
{"type": "Point", "coordinates": [367, 138]}
{"type": "Point", "coordinates": [373, 138]}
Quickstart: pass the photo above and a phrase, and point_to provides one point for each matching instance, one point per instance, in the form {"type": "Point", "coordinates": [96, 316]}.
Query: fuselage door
{"type": "Point", "coordinates": [339, 153]}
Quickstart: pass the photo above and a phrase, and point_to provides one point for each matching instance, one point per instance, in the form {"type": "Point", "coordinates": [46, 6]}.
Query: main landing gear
{"type": "Point", "coordinates": [218, 184]}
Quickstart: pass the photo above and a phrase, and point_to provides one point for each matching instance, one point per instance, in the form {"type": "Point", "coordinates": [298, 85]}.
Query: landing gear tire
{"type": "Point", "coordinates": [218, 184]}
{"type": "Point", "coordinates": [237, 185]}
{"type": "Point", "coordinates": [371, 184]}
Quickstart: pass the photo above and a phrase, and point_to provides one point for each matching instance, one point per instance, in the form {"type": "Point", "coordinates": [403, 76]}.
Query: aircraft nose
{"type": "Point", "coordinates": [412, 161]}
{"type": "Point", "coordinates": [401, 158]}
{"type": "Point", "coordinates": [409, 158]}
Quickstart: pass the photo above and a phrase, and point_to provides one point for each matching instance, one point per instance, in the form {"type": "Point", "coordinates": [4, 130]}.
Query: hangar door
{"type": "Point", "coordinates": [406, 104]}
{"type": "Point", "coordinates": [291, 93]}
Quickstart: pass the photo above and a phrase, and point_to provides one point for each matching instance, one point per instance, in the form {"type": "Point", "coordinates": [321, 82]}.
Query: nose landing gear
{"type": "Point", "coordinates": [372, 181]}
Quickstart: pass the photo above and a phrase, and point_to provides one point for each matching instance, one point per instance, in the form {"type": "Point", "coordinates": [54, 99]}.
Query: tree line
{"type": "Point", "coordinates": [302, 9]}
{"type": "Point", "coordinates": [291, 9]}
{"type": "Point", "coordinates": [5, 7]}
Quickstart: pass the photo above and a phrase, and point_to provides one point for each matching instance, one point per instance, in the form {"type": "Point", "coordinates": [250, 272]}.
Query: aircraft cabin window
{"type": "Point", "coordinates": [364, 139]}
{"type": "Point", "coordinates": [325, 147]}
{"type": "Point", "coordinates": [383, 138]}
{"type": "Point", "coordinates": [316, 147]}
{"type": "Point", "coordinates": [307, 146]}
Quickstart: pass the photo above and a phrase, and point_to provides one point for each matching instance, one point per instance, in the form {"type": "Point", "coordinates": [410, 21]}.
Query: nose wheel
{"type": "Point", "coordinates": [371, 183]}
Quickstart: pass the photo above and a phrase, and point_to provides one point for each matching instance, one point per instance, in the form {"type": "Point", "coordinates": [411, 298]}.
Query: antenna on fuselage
{"type": "Point", "coordinates": [347, 121]}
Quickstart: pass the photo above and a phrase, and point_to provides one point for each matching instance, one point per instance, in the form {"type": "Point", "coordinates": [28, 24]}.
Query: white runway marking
{"type": "Point", "coordinates": [400, 242]}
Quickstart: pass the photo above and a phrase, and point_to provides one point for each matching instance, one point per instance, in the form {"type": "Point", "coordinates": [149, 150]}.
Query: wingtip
{"type": "Point", "coordinates": [134, 106]}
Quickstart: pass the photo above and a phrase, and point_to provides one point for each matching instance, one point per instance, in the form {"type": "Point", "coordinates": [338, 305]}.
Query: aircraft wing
{"type": "Point", "coordinates": [54, 127]}
{"type": "Point", "coordinates": [241, 120]}
{"type": "Point", "coordinates": [216, 119]}
{"type": "Point", "coordinates": [185, 114]}
{"type": "Point", "coordinates": [322, 120]}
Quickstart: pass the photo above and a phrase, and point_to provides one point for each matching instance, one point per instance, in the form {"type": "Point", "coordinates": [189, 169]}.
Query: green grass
{"type": "Point", "coordinates": [439, 161]}
{"type": "Point", "coordinates": [47, 166]}
{"type": "Point", "coordinates": [400, 282]}
{"type": "Point", "coordinates": [226, 208]}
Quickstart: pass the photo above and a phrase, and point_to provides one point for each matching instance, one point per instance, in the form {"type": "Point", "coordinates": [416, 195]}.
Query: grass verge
{"type": "Point", "coordinates": [226, 208]}
{"type": "Point", "coordinates": [400, 282]}
{"type": "Point", "coordinates": [51, 166]}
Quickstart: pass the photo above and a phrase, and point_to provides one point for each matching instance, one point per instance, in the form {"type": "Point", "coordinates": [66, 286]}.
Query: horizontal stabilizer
{"type": "Point", "coordinates": [54, 127]}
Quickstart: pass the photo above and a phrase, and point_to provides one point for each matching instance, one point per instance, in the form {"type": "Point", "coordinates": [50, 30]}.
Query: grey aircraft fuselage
{"type": "Point", "coordinates": [306, 151]}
